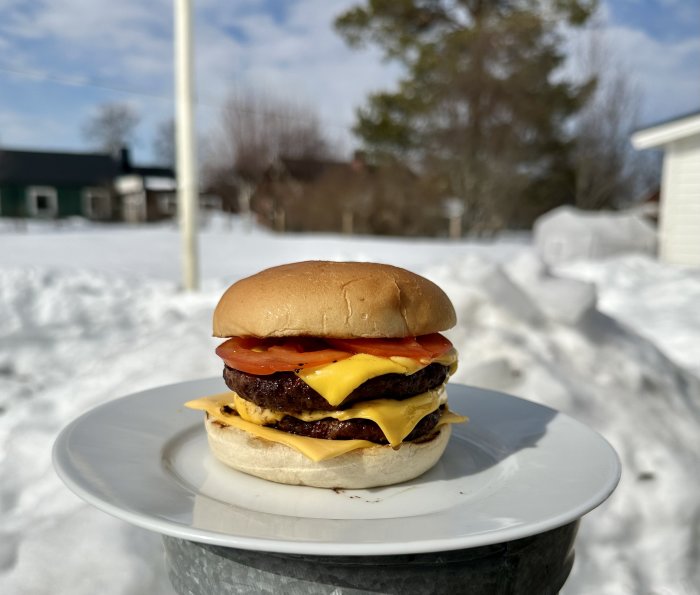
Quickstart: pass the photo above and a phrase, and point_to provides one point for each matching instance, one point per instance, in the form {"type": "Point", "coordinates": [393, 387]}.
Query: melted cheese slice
{"type": "Point", "coordinates": [396, 419]}
{"type": "Point", "coordinates": [319, 449]}
{"type": "Point", "coordinates": [334, 382]}
{"type": "Point", "coordinates": [315, 449]}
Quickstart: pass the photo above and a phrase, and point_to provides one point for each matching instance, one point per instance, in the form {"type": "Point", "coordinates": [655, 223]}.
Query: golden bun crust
{"type": "Point", "coordinates": [363, 468]}
{"type": "Point", "coordinates": [333, 299]}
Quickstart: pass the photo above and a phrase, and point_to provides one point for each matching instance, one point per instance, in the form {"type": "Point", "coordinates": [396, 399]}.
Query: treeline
{"type": "Point", "coordinates": [482, 132]}
{"type": "Point", "coordinates": [274, 159]}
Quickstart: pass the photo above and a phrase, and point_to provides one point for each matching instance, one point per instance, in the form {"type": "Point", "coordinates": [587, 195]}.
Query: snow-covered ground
{"type": "Point", "coordinates": [89, 313]}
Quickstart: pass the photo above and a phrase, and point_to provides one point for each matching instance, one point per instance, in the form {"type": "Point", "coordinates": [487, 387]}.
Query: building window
{"type": "Point", "coordinates": [97, 203]}
{"type": "Point", "coordinates": [42, 201]}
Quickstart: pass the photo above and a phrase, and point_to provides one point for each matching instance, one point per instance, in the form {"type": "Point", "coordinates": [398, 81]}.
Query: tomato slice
{"type": "Point", "coordinates": [425, 347]}
{"type": "Point", "coordinates": [267, 356]}
{"type": "Point", "coordinates": [435, 343]}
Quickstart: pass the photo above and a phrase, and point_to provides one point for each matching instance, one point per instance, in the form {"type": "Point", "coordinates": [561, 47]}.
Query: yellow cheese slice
{"type": "Point", "coordinates": [450, 417]}
{"type": "Point", "coordinates": [319, 449]}
{"type": "Point", "coordinates": [334, 382]}
{"type": "Point", "coordinates": [396, 419]}
{"type": "Point", "coordinates": [448, 358]}
{"type": "Point", "coordinates": [315, 449]}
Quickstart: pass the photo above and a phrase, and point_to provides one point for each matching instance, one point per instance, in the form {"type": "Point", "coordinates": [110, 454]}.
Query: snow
{"type": "Point", "coordinates": [566, 234]}
{"type": "Point", "coordinates": [93, 312]}
{"type": "Point", "coordinates": [654, 314]}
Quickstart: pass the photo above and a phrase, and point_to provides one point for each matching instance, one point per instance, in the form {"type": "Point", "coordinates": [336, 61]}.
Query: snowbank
{"type": "Point", "coordinates": [104, 320]}
{"type": "Point", "coordinates": [566, 234]}
{"type": "Point", "coordinates": [596, 370]}
{"type": "Point", "coordinates": [661, 309]}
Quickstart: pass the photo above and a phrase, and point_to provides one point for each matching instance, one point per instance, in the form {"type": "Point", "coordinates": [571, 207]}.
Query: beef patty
{"type": "Point", "coordinates": [357, 428]}
{"type": "Point", "coordinates": [351, 429]}
{"type": "Point", "coordinates": [285, 391]}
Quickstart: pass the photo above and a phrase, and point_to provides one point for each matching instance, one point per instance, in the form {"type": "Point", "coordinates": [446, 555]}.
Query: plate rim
{"type": "Point", "coordinates": [309, 547]}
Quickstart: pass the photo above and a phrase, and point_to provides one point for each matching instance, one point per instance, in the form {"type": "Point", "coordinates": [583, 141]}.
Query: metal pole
{"type": "Point", "coordinates": [187, 184]}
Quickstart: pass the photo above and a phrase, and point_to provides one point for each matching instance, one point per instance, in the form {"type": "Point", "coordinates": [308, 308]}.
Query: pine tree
{"type": "Point", "coordinates": [481, 105]}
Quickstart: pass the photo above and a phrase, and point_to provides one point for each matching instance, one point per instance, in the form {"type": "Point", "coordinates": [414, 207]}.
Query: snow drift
{"type": "Point", "coordinates": [71, 338]}
{"type": "Point", "coordinates": [566, 234]}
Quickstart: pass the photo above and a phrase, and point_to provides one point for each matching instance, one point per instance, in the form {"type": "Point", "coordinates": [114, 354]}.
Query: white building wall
{"type": "Point", "coordinates": [680, 202]}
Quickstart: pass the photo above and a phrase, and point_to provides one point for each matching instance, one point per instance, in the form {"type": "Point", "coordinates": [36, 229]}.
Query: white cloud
{"type": "Point", "coordinates": [667, 73]}
{"type": "Point", "coordinates": [128, 45]}
{"type": "Point", "coordinates": [302, 59]}
{"type": "Point", "coordinates": [29, 131]}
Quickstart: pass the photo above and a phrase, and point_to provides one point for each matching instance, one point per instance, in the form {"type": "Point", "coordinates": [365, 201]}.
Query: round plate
{"type": "Point", "coordinates": [515, 469]}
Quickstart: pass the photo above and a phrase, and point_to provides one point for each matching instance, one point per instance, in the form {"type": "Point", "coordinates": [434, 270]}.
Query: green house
{"type": "Point", "coordinates": [52, 185]}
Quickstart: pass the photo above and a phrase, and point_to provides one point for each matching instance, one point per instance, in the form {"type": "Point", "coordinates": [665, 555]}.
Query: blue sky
{"type": "Point", "coordinates": [664, 20]}
{"type": "Point", "coordinates": [59, 59]}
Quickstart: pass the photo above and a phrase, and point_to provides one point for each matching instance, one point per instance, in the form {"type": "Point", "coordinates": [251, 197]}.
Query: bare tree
{"type": "Point", "coordinates": [258, 128]}
{"type": "Point", "coordinates": [254, 130]}
{"type": "Point", "coordinates": [164, 143]}
{"type": "Point", "coordinates": [608, 172]}
{"type": "Point", "coordinates": [111, 127]}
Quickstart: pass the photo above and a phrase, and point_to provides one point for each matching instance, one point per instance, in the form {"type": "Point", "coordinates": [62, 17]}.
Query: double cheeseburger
{"type": "Point", "coordinates": [337, 372]}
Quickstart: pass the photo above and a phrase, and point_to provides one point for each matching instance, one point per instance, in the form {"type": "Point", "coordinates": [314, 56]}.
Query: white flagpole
{"type": "Point", "coordinates": [187, 184]}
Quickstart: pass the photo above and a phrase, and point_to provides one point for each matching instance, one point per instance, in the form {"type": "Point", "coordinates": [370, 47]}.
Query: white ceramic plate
{"type": "Point", "coordinates": [516, 469]}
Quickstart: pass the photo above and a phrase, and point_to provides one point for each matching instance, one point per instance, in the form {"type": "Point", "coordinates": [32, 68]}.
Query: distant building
{"type": "Point", "coordinates": [679, 213]}
{"type": "Point", "coordinates": [145, 193]}
{"type": "Point", "coordinates": [353, 197]}
{"type": "Point", "coordinates": [98, 186]}
{"type": "Point", "coordinates": [311, 194]}
{"type": "Point", "coordinates": [51, 185]}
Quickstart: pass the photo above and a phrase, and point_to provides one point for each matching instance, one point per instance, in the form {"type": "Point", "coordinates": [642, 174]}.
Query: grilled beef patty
{"type": "Point", "coordinates": [353, 429]}
{"type": "Point", "coordinates": [285, 391]}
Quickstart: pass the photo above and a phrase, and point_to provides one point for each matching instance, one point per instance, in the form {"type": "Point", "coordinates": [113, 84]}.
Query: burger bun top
{"type": "Point", "coordinates": [333, 299]}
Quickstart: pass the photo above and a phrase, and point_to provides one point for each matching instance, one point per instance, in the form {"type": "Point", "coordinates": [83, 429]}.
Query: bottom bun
{"type": "Point", "coordinates": [362, 468]}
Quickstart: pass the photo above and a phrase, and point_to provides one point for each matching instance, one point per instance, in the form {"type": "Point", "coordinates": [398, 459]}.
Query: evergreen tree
{"type": "Point", "coordinates": [480, 106]}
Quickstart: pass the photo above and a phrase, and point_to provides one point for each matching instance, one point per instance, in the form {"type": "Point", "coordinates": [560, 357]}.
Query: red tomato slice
{"type": "Point", "coordinates": [425, 347]}
{"type": "Point", "coordinates": [435, 343]}
{"type": "Point", "coordinates": [267, 356]}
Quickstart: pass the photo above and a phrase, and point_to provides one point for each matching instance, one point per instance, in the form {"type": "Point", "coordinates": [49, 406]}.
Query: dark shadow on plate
{"type": "Point", "coordinates": [499, 426]}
